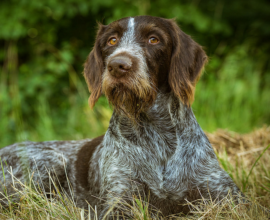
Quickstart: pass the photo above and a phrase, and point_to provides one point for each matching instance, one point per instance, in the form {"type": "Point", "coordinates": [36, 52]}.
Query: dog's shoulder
{"type": "Point", "coordinates": [84, 158]}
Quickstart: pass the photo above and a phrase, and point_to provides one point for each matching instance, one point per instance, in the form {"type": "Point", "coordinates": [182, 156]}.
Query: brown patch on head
{"type": "Point", "coordinates": [82, 163]}
{"type": "Point", "coordinates": [152, 28]}
{"type": "Point", "coordinates": [187, 61]}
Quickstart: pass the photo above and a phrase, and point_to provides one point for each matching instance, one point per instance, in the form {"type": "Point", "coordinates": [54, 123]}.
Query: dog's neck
{"type": "Point", "coordinates": [168, 108]}
{"type": "Point", "coordinates": [165, 121]}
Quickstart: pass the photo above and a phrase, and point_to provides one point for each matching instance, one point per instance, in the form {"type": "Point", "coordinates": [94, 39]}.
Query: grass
{"type": "Point", "coordinates": [244, 157]}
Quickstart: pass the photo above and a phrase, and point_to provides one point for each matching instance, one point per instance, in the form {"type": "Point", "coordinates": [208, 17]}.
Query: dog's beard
{"type": "Point", "coordinates": [129, 101]}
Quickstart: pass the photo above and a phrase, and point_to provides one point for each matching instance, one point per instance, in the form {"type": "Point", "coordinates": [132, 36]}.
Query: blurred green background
{"type": "Point", "coordinates": [43, 95]}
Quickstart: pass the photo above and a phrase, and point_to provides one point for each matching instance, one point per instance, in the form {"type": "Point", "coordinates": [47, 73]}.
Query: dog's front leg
{"type": "Point", "coordinates": [116, 190]}
{"type": "Point", "coordinates": [219, 185]}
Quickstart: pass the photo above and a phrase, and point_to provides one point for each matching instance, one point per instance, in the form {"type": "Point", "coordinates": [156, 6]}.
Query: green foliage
{"type": "Point", "coordinates": [143, 208]}
{"type": "Point", "coordinates": [43, 94]}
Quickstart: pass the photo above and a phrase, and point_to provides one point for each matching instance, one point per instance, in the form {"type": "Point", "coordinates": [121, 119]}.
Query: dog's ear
{"type": "Point", "coordinates": [93, 69]}
{"type": "Point", "coordinates": [187, 62]}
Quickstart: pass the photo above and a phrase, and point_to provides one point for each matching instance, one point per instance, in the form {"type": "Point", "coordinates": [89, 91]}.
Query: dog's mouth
{"type": "Point", "coordinates": [113, 91]}
{"type": "Point", "coordinates": [128, 102]}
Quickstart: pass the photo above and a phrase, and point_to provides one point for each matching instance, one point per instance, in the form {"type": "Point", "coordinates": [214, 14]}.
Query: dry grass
{"type": "Point", "coordinates": [244, 157]}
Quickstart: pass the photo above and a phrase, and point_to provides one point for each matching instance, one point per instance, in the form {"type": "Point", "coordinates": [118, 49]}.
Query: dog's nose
{"type": "Point", "coordinates": [119, 66]}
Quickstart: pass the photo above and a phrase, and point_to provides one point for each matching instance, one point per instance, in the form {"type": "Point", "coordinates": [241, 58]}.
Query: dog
{"type": "Point", "coordinates": [147, 67]}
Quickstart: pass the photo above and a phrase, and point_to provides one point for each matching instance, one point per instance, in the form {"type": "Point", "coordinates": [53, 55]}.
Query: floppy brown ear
{"type": "Point", "coordinates": [93, 69]}
{"type": "Point", "coordinates": [187, 62]}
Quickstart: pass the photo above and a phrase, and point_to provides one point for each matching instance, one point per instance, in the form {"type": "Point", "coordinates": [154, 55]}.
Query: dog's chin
{"type": "Point", "coordinates": [128, 102]}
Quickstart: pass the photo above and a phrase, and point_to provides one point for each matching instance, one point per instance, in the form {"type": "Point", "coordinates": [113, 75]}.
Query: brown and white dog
{"type": "Point", "coordinates": [147, 68]}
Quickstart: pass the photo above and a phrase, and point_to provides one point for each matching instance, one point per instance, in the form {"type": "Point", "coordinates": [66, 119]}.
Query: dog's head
{"type": "Point", "coordinates": [135, 58]}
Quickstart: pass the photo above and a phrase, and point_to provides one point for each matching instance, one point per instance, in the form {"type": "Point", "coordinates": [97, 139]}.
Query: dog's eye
{"type": "Point", "coordinates": [153, 40]}
{"type": "Point", "coordinates": [112, 41]}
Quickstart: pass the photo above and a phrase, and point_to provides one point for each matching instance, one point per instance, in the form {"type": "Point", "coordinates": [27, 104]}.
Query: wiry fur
{"type": "Point", "coordinates": [163, 153]}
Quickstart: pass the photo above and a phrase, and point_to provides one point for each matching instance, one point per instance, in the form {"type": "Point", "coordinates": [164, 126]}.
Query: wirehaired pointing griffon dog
{"type": "Point", "coordinates": [147, 68]}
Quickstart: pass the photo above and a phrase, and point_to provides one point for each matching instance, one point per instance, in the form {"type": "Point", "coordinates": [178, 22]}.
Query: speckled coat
{"type": "Point", "coordinates": [156, 148]}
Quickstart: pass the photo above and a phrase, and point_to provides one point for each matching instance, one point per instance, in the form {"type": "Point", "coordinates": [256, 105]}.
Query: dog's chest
{"type": "Point", "coordinates": [160, 172]}
{"type": "Point", "coordinates": [153, 154]}
{"type": "Point", "coordinates": [151, 162]}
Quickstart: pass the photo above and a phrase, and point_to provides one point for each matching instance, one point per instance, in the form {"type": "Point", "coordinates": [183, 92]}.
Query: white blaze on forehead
{"type": "Point", "coordinates": [131, 26]}
{"type": "Point", "coordinates": [127, 42]}
{"type": "Point", "coordinates": [131, 22]}
{"type": "Point", "coordinates": [128, 36]}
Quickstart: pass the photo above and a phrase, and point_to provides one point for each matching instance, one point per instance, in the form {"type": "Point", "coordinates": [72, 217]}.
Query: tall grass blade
{"type": "Point", "coordinates": [245, 184]}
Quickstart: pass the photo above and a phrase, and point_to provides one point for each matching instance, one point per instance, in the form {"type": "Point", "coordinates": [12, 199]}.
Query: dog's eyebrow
{"type": "Point", "coordinates": [152, 28]}
{"type": "Point", "coordinates": [116, 26]}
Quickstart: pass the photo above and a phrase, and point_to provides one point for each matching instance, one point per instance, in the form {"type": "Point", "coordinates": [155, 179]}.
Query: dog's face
{"type": "Point", "coordinates": [135, 58]}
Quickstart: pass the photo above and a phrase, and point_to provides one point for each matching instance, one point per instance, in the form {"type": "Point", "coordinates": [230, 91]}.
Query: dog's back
{"type": "Point", "coordinates": [39, 162]}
